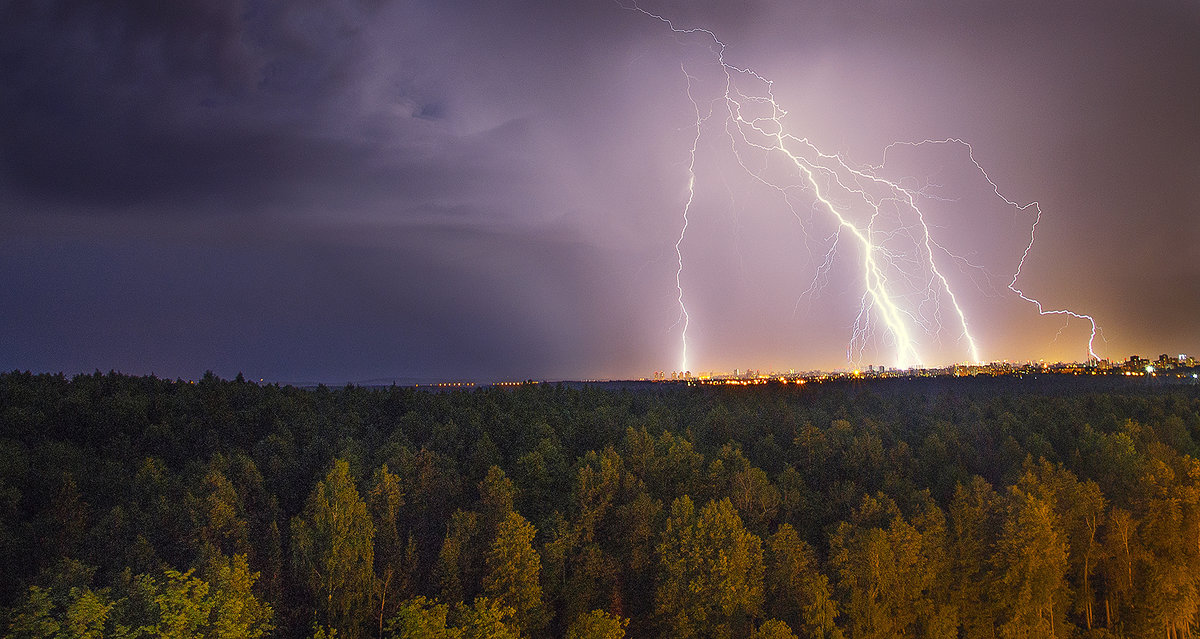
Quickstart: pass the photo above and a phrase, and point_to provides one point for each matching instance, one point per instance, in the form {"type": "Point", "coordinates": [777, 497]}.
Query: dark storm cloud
{"type": "Point", "coordinates": [123, 103]}
{"type": "Point", "coordinates": [303, 189]}
{"type": "Point", "coordinates": [340, 190]}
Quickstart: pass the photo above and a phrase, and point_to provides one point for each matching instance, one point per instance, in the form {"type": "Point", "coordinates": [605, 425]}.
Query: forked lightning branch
{"type": "Point", "coordinates": [905, 293]}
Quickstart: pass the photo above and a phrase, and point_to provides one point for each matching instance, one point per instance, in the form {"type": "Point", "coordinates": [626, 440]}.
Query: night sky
{"type": "Point", "coordinates": [345, 191]}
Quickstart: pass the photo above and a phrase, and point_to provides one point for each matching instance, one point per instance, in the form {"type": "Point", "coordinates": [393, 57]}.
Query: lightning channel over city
{"type": "Point", "coordinates": [677, 191]}
{"type": "Point", "coordinates": [908, 295]}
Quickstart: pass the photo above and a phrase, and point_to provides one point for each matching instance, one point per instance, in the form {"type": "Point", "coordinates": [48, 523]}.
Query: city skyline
{"type": "Point", "coordinates": [350, 191]}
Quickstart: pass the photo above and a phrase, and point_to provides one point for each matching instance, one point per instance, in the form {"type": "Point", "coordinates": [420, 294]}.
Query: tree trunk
{"type": "Point", "coordinates": [1087, 593]}
{"type": "Point", "coordinates": [1092, 523]}
{"type": "Point", "coordinates": [383, 599]}
{"type": "Point", "coordinates": [1128, 556]}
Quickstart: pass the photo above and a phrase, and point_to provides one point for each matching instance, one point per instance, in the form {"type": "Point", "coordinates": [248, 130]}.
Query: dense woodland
{"type": "Point", "coordinates": [141, 507]}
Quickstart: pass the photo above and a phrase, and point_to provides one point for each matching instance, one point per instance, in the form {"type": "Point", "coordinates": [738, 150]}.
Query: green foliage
{"type": "Point", "coordinates": [183, 606]}
{"type": "Point", "coordinates": [457, 570]}
{"type": "Point", "coordinates": [332, 542]}
{"type": "Point", "coordinates": [755, 497]}
{"type": "Point", "coordinates": [496, 497]}
{"type": "Point", "coordinates": [220, 517]}
{"type": "Point", "coordinates": [712, 572]}
{"type": "Point", "coordinates": [66, 519]}
{"type": "Point", "coordinates": [32, 618]}
{"type": "Point", "coordinates": [597, 624]}
{"type": "Point", "coordinates": [393, 572]}
{"type": "Point", "coordinates": [487, 619]}
{"type": "Point", "coordinates": [975, 508]}
{"type": "Point", "coordinates": [1032, 561]}
{"type": "Point", "coordinates": [79, 613]}
{"type": "Point", "coordinates": [892, 571]}
{"type": "Point", "coordinates": [420, 618]}
{"type": "Point", "coordinates": [175, 605]}
{"type": "Point", "coordinates": [797, 590]}
{"type": "Point", "coordinates": [773, 629]}
{"type": "Point", "coordinates": [975, 517]}
{"type": "Point", "coordinates": [236, 612]}
{"type": "Point", "coordinates": [513, 573]}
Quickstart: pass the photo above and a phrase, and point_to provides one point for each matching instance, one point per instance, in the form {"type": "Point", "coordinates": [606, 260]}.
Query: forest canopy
{"type": "Point", "coordinates": [142, 507]}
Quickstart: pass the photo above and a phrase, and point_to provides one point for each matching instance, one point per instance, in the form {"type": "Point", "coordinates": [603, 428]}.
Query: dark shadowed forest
{"type": "Point", "coordinates": [142, 507]}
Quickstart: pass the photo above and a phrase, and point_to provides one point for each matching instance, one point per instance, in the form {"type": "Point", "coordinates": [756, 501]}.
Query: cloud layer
{"type": "Point", "coordinates": [338, 190]}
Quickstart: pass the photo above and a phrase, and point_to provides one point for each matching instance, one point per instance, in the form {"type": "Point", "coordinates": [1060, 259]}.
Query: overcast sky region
{"type": "Point", "coordinates": [347, 190]}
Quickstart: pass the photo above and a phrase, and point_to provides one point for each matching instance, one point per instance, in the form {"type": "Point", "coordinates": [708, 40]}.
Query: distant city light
{"type": "Point", "coordinates": [1134, 366]}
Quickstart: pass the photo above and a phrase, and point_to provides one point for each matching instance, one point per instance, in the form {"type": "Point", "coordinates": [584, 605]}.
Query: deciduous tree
{"type": "Point", "coordinates": [797, 591]}
{"type": "Point", "coordinates": [597, 624]}
{"type": "Point", "coordinates": [513, 573]}
{"type": "Point", "coordinates": [711, 572]}
{"type": "Point", "coordinates": [333, 551]}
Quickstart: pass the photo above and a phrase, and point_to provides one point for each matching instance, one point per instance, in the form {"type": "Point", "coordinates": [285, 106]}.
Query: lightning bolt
{"type": "Point", "coordinates": [1037, 210]}
{"type": "Point", "coordinates": [903, 291]}
{"type": "Point", "coordinates": [684, 318]}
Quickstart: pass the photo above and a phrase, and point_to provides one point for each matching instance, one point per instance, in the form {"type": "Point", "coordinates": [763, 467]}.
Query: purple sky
{"type": "Point", "coordinates": [342, 191]}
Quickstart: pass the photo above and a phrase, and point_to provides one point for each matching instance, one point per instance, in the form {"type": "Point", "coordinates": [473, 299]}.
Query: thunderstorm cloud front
{"type": "Point", "coordinates": [346, 191]}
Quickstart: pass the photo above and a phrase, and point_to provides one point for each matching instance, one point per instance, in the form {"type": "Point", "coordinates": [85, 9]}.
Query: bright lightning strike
{"type": "Point", "coordinates": [905, 291]}
{"type": "Point", "coordinates": [1037, 209]}
{"type": "Point", "coordinates": [684, 319]}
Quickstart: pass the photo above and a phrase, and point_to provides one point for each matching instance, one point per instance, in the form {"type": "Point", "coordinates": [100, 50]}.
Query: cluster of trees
{"type": "Point", "coordinates": [139, 507]}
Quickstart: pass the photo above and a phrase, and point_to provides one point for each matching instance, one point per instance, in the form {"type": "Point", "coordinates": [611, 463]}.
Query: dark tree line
{"type": "Point", "coordinates": [140, 507]}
